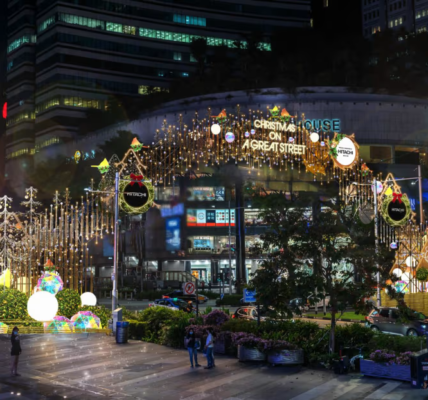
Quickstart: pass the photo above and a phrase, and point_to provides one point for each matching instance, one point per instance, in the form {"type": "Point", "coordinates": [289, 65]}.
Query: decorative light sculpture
{"type": "Point", "coordinates": [88, 299]}
{"type": "Point", "coordinates": [42, 306]}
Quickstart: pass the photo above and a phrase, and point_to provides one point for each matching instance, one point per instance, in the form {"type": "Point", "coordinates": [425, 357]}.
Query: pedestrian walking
{"type": "Point", "coordinates": [209, 348]}
{"type": "Point", "coordinates": [16, 351]}
{"type": "Point", "coordinates": [192, 345]}
{"type": "Point", "coordinates": [209, 285]}
{"type": "Point", "coordinates": [203, 285]}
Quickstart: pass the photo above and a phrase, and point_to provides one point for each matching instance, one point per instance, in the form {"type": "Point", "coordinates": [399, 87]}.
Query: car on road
{"type": "Point", "coordinates": [183, 296]}
{"type": "Point", "coordinates": [387, 320]}
{"type": "Point", "coordinates": [249, 313]}
{"type": "Point", "coordinates": [298, 303]}
{"type": "Point", "coordinates": [173, 303]}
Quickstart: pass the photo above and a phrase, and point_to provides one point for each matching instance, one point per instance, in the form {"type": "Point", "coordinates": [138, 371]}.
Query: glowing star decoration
{"type": "Point", "coordinates": [50, 282]}
{"type": "Point", "coordinates": [215, 129]}
{"type": "Point", "coordinates": [59, 325]}
{"type": "Point", "coordinates": [88, 299]}
{"type": "Point", "coordinates": [315, 137]}
{"type": "Point", "coordinates": [103, 167]}
{"type": "Point", "coordinates": [230, 137]}
{"type": "Point", "coordinates": [3, 327]}
{"type": "Point", "coordinates": [86, 320]}
{"type": "Point", "coordinates": [222, 117]}
{"type": "Point", "coordinates": [5, 278]}
{"type": "Point", "coordinates": [42, 306]}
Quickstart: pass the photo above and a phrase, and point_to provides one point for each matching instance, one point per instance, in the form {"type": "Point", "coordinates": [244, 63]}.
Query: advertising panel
{"type": "Point", "coordinates": [201, 218]}
{"type": "Point", "coordinates": [212, 218]}
{"type": "Point", "coordinates": [206, 193]}
{"type": "Point", "coordinates": [173, 239]}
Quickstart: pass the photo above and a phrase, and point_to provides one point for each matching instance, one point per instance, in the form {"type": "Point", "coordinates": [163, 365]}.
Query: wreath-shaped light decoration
{"type": "Point", "coordinates": [398, 200]}
{"type": "Point", "coordinates": [137, 181]}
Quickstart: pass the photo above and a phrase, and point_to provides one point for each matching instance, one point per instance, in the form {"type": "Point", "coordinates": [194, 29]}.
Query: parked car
{"type": "Point", "coordinates": [299, 303]}
{"type": "Point", "coordinates": [249, 313]}
{"type": "Point", "coordinates": [180, 295]}
{"type": "Point", "coordinates": [319, 303]}
{"type": "Point", "coordinates": [387, 320]}
{"type": "Point", "coordinates": [173, 303]}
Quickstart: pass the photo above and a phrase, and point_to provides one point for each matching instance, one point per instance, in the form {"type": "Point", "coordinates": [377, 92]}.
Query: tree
{"type": "Point", "coordinates": [325, 254]}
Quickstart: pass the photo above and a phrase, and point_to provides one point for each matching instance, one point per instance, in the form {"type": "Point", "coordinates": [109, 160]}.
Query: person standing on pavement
{"type": "Point", "coordinates": [192, 347]}
{"type": "Point", "coordinates": [209, 347]}
{"type": "Point", "coordinates": [16, 351]}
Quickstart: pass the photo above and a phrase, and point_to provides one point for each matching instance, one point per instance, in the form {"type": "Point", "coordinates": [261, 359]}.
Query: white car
{"type": "Point", "coordinates": [320, 302]}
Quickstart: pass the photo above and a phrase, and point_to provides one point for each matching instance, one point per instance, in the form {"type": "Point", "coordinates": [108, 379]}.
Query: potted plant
{"type": "Point", "coordinates": [248, 346]}
{"type": "Point", "coordinates": [386, 364]}
{"type": "Point", "coordinates": [223, 343]}
{"type": "Point", "coordinates": [283, 352]}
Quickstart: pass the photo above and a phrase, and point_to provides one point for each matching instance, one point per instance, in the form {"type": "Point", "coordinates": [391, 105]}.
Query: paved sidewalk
{"type": "Point", "coordinates": [58, 367]}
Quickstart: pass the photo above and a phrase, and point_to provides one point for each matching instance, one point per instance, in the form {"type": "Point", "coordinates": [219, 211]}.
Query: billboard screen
{"type": "Point", "coordinates": [173, 238]}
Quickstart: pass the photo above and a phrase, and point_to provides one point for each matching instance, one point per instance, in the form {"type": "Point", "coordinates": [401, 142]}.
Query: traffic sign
{"type": "Point", "coordinates": [189, 288]}
{"type": "Point", "coordinates": [222, 296]}
{"type": "Point", "coordinates": [249, 296]}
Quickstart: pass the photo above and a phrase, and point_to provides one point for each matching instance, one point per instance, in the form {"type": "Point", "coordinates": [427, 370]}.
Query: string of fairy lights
{"type": "Point", "coordinates": [256, 140]}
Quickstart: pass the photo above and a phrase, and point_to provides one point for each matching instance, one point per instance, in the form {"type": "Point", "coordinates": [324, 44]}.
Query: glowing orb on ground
{"type": "Point", "coordinates": [253, 131]}
{"type": "Point", "coordinates": [59, 325]}
{"type": "Point", "coordinates": [3, 327]}
{"type": "Point", "coordinates": [314, 137]}
{"type": "Point", "coordinates": [215, 129]}
{"type": "Point", "coordinates": [86, 320]}
{"type": "Point", "coordinates": [247, 134]}
{"type": "Point", "coordinates": [402, 287]}
{"type": "Point", "coordinates": [50, 282]}
{"type": "Point", "coordinates": [230, 137]}
{"type": "Point", "coordinates": [397, 272]}
{"type": "Point", "coordinates": [42, 306]}
{"type": "Point", "coordinates": [88, 299]}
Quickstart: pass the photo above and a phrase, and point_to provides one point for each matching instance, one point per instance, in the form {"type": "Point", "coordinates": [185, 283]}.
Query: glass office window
{"type": "Point", "coordinates": [21, 41]}
{"type": "Point", "coordinates": [113, 27]}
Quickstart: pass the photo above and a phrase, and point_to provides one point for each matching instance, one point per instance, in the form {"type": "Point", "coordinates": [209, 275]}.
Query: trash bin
{"type": "Point", "coordinates": [419, 369]}
{"type": "Point", "coordinates": [122, 332]}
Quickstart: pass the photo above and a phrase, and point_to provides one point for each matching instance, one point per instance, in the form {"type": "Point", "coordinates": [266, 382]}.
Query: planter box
{"type": "Point", "coordinates": [250, 354]}
{"type": "Point", "coordinates": [284, 357]}
{"type": "Point", "coordinates": [398, 372]}
{"type": "Point", "coordinates": [222, 346]}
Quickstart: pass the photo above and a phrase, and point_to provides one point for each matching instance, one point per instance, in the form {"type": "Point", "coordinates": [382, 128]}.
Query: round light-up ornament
{"type": "Point", "coordinates": [230, 137]}
{"type": "Point", "coordinates": [411, 261]}
{"type": "Point", "coordinates": [397, 272]}
{"type": "Point", "coordinates": [379, 187]}
{"type": "Point", "coordinates": [393, 246]}
{"type": "Point", "coordinates": [314, 137]}
{"type": "Point", "coordinates": [322, 144]}
{"type": "Point", "coordinates": [253, 131]}
{"type": "Point", "coordinates": [88, 299]}
{"type": "Point", "coordinates": [42, 306]}
{"type": "Point", "coordinates": [247, 134]}
{"type": "Point", "coordinates": [291, 139]}
{"type": "Point", "coordinates": [215, 129]}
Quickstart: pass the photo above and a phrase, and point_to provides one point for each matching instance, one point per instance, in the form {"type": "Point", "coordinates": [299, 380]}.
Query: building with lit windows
{"type": "Point", "coordinates": [189, 230]}
{"type": "Point", "coordinates": [65, 57]}
{"type": "Point", "coordinates": [378, 15]}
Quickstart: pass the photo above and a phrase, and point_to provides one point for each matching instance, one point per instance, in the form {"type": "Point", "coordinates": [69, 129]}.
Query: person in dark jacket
{"type": "Point", "coordinates": [16, 351]}
{"type": "Point", "coordinates": [192, 347]}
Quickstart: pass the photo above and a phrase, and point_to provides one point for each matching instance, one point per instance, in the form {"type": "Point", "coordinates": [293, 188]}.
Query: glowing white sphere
{"type": "Point", "coordinates": [397, 272]}
{"type": "Point", "coordinates": [42, 306]}
{"type": "Point", "coordinates": [88, 299]}
{"type": "Point", "coordinates": [215, 129]}
{"type": "Point", "coordinates": [314, 137]}
{"type": "Point", "coordinates": [411, 261]}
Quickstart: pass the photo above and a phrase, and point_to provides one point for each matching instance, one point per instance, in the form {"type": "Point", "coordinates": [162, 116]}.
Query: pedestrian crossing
{"type": "Point", "coordinates": [96, 367]}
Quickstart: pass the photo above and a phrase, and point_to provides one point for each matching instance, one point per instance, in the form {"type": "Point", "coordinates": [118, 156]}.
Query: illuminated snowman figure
{"type": "Point", "coordinates": [50, 281]}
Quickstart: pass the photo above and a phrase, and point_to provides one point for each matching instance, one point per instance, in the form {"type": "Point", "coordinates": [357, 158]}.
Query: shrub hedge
{"type": "Point", "coordinates": [229, 300]}
{"type": "Point", "coordinates": [69, 302]}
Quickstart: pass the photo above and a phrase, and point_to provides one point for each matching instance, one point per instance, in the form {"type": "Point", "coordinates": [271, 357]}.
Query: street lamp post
{"type": "Point", "coordinates": [116, 223]}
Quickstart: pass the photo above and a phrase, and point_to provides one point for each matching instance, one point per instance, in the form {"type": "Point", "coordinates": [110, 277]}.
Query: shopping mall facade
{"type": "Point", "coordinates": [189, 230]}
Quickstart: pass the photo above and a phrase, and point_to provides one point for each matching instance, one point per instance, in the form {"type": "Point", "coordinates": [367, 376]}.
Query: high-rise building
{"type": "Point", "coordinates": [378, 15]}
{"type": "Point", "coordinates": [65, 57]}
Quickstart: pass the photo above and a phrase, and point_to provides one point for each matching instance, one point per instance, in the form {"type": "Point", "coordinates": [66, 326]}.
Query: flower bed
{"type": "Point", "coordinates": [387, 364]}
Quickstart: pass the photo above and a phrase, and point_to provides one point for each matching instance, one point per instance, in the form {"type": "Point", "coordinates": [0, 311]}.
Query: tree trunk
{"type": "Point", "coordinates": [331, 345]}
